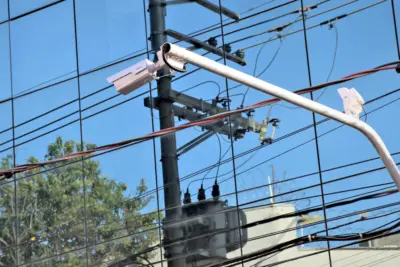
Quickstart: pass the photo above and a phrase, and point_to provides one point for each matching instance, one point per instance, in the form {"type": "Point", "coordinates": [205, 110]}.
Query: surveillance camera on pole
{"type": "Point", "coordinates": [137, 75]}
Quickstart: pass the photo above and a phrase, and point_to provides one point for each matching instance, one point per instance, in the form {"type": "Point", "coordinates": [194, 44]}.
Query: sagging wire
{"type": "Point", "coordinates": [23, 168]}
{"type": "Point", "coordinates": [201, 194]}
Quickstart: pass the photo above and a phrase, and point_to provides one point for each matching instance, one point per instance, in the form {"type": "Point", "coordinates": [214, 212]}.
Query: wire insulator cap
{"type": "Point", "coordinates": [212, 41]}
{"type": "Point", "coordinates": [240, 53]}
{"type": "Point", "coordinates": [202, 194]}
{"type": "Point", "coordinates": [187, 198]}
{"type": "Point", "coordinates": [215, 190]}
{"type": "Point", "coordinates": [227, 48]}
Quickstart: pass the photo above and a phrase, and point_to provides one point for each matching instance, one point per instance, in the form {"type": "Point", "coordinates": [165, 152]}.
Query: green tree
{"type": "Point", "coordinates": [48, 205]}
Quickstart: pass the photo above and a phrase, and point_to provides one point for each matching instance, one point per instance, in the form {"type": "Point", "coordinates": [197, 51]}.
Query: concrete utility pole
{"type": "Point", "coordinates": [172, 195]}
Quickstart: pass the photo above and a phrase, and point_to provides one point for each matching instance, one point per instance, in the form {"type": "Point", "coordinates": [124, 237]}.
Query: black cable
{"type": "Point", "coordinates": [301, 30]}
{"type": "Point", "coordinates": [370, 101]}
{"type": "Point", "coordinates": [294, 133]}
{"type": "Point", "coordinates": [199, 84]}
{"type": "Point", "coordinates": [115, 62]}
{"type": "Point", "coordinates": [377, 98]}
{"type": "Point", "coordinates": [220, 158]}
{"type": "Point", "coordinates": [321, 23]}
{"type": "Point", "coordinates": [323, 251]}
{"type": "Point", "coordinates": [43, 83]}
{"type": "Point", "coordinates": [396, 34]}
{"type": "Point", "coordinates": [313, 224]}
{"type": "Point", "coordinates": [294, 21]}
{"type": "Point", "coordinates": [153, 140]}
{"type": "Point", "coordinates": [294, 228]}
{"type": "Point", "coordinates": [294, 214]}
{"type": "Point", "coordinates": [317, 150]}
{"type": "Point", "coordinates": [14, 153]}
{"type": "Point", "coordinates": [69, 79]}
{"type": "Point", "coordinates": [333, 62]}
{"type": "Point", "coordinates": [218, 25]}
{"type": "Point", "coordinates": [310, 239]}
{"type": "Point", "coordinates": [264, 70]}
{"type": "Point", "coordinates": [80, 127]}
{"type": "Point", "coordinates": [169, 65]}
{"type": "Point", "coordinates": [30, 12]}
{"type": "Point", "coordinates": [291, 213]}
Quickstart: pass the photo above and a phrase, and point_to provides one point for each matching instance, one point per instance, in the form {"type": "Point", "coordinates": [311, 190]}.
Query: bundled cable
{"type": "Point", "coordinates": [304, 240]}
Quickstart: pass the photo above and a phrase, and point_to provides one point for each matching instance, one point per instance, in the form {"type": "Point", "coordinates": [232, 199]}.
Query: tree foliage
{"type": "Point", "coordinates": [44, 215]}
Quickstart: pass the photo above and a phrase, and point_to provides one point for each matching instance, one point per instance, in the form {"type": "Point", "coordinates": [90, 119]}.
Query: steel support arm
{"type": "Point", "coordinates": [291, 97]}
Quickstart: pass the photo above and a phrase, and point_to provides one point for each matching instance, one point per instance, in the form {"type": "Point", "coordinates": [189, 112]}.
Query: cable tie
{"type": "Point", "coordinates": [310, 238]}
{"type": "Point", "coordinates": [361, 235]}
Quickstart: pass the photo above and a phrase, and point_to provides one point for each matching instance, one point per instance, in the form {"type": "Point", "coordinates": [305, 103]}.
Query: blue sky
{"type": "Point", "coordinates": [43, 48]}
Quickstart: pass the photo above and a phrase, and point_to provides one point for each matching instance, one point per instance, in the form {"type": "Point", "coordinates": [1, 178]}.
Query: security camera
{"type": "Point", "coordinates": [133, 77]}
{"type": "Point", "coordinates": [137, 75]}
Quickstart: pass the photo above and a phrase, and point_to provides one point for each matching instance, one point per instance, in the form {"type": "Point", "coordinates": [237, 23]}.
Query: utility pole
{"type": "Point", "coordinates": [172, 195]}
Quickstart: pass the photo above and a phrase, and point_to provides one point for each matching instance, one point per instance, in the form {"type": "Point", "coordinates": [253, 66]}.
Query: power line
{"type": "Point", "coordinates": [242, 172]}
{"type": "Point", "coordinates": [293, 228]}
{"type": "Point", "coordinates": [333, 62]}
{"type": "Point", "coordinates": [311, 239]}
{"type": "Point", "coordinates": [301, 30]}
{"type": "Point", "coordinates": [123, 58]}
{"type": "Point", "coordinates": [333, 203]}
{"type": "Point", "coordinates": [218, 25]}
{"type": "Point", "coordinates": [91, 94]}
{"type": "Point", "coordinates": [289, 215]}
{"type": "Point", "coordinates": [323, 251]}
{"type": "Point", "coordinates": [115, 62]}
{"type": "Point", "coordinates": [319, 24]}
{"type": "Point", "coordinates": [244, 204]}
{"type": "Point", "coordinates": [227, 113]}
{"type": "Point", "coordinates": [32, 11]}
{"type": "Point", "coordinates": [279, 139]}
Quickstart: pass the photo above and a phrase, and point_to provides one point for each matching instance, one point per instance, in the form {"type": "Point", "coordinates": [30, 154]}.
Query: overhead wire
{"type": "Point", "coordinates": [208, 119]}
{"type": "Point", "coordinates": [332, 193]}
{"type": "Point", "coordinates": [298, 19]}
{"type": "Point", "coordinates": [84, 96]}
{"type": "Point", "coordinates": [294, 228]}
{"type": "Point", "coordinates": [217, 26]}
{"type": "Point", "coordinates": [291, 149]}
{"type": "Point", "coordinates": [217, 165]}
{"type": "Point", "coordinates": [123, 58]}
{"type": "Point", "coordinates": [309, 239]}
{"type": "Point", "coordinates": [102, 67]}
{"type": "Point", "coordinates": [345, 177]}
{"type": "Point", "coordinates": [301, 30]}
{"type": "Point", "coordinates": [322, 251]}
{"type": "Point", "coordinates": [91, 94]}
{"type": "Point", "coordinates": [30, 12]}
{"type": "Point", "coordinates": [144, 232]}
{"type": "Point", "coordinates": [337, 18]}
{"type": "Point", "coordinates": [274, 218]}
{"type": "Point", "coordinates": [333, 61]}
{"type": "Point", "coordinates": [334, 202]}
{"type": "Point", "coordinates": [316, 223]}
{"type": "Point", "coordinates": [222, 181]}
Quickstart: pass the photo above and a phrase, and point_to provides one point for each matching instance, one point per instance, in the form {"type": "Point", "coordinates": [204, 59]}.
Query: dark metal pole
{"type": "Point", "coordinates": [172, 196]}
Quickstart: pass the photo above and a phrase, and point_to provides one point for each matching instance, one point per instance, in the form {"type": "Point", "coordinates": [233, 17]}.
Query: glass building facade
{"type": "Point", "coordinates": [55, 100]}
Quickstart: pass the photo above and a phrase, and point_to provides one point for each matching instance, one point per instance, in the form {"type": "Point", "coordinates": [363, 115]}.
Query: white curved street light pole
{"type": "Point", "coordinates": [177, 52]}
